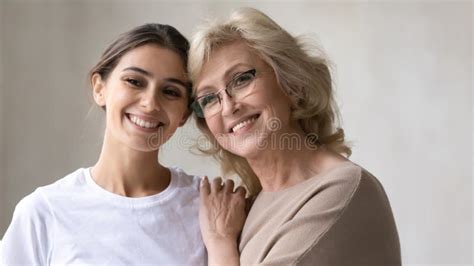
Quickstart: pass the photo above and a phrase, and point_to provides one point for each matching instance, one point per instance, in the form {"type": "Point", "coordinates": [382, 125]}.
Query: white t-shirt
{"type": "Point", "coordinates": [75, 221]}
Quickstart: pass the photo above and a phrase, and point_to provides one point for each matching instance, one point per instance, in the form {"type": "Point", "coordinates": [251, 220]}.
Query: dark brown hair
{"type": "Point", "coordinates": [164, 36]}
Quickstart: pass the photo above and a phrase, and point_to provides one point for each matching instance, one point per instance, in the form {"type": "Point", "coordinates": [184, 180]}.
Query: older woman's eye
{"type": "Point", "coordinates": [242, 80]}
{"type": "Point", "coordinates": [208, 100]}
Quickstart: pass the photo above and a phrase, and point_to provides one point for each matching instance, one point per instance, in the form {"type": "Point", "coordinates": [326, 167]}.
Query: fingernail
{"type": "Point", "coordinates": [203, 181]}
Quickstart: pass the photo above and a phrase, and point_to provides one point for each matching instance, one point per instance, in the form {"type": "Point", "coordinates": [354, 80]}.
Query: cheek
{"type": "Point", "coordinates": [263, 96]}
{"type": "Point", "coordinates": [217, 130]}
{"type": "Point", "coordinates": [175, 112]}
{"type": "Point", "coordinates": [118, 95]}
{"type": "Point", "coordinates": [274, 99]}
{"type": "Point", "coordinates": [215, 126]}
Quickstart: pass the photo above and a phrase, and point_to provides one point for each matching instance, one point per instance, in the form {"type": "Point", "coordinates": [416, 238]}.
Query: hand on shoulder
{"type": "Point", "coordinates": [222, 211]}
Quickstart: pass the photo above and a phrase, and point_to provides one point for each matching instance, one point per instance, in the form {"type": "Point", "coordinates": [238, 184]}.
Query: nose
{"type": "Point", "coordinates": [150, 101]}
{"type": "Point", "coordinates": [229, 106]}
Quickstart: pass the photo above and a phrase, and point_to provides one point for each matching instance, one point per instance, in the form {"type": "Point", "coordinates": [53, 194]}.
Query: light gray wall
{"type": "Point", "coordinates": [3, 212]}
{"type": "Point", "coordinates": [403, 72]}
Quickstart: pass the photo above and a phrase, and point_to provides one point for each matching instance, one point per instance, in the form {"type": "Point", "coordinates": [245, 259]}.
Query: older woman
{"type": "Point", "coordinates": [266, 104]}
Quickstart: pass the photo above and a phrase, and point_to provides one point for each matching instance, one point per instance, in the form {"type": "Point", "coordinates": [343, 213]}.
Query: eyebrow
{"type": "Point", "coordinates": [149, 74]}
{"type": "Point", "coordinates": [179, 82]}
{"type": "Point", "coordinates": [232, 68]}
{"type": "Point", "coordinates": [139, 70]}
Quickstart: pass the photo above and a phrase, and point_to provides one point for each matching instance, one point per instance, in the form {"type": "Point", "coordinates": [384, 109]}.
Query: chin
{"type": "Point", "coordinates": [143, 147]}
{"type": "Point", "coordinates": [247, 149]}
{"type": "Point", "coordinates": [150, 143]}
{"type": "Point", "coordinates": [245, 153]}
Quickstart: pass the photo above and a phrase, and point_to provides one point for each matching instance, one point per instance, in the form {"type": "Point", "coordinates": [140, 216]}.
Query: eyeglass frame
{"type": "Point", "coordinates": [197, 107]}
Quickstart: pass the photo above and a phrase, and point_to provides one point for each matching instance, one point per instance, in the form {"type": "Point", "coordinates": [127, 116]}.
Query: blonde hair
{"type": "Point", "coordinates": [304, 77]}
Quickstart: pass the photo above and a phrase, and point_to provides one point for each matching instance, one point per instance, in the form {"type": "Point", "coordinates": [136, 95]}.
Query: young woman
{"type": "Point", "coordinates": [266, 103]}
{"type": "Point", "coordinates": [127, 209]}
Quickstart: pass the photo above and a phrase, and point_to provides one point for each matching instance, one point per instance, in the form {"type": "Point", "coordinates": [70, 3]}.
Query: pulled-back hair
{"type": "Point", "coordinates": [164, 36]}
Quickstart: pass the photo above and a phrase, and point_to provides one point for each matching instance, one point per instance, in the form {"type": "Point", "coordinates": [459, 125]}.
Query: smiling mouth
{"type": "Point", "coordinates": [145, 124]}
{"type": "Point", "coordinates": [243, 124]}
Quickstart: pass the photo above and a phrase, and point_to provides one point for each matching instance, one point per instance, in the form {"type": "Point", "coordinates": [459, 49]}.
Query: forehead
{"type": "Point", "coordinates": [161, 62]}
{"type": "Point", "coordinates": [224, 58]}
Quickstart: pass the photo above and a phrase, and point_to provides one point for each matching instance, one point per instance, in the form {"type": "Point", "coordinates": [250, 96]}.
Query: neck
{"type": "Point", "coordinates": [127, 172]}
{"type": "Point", "coordinates": [284, 165]}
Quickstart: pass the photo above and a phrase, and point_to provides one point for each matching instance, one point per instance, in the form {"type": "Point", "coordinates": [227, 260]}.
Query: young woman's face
{"type": "Point", "coordinates": [145, 97]}
{"type": "Point", "coordinates": [246, 122]}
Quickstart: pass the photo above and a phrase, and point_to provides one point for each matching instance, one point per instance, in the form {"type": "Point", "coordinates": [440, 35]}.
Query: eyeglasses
{"type": "Point", "coordinates": [238, 88]}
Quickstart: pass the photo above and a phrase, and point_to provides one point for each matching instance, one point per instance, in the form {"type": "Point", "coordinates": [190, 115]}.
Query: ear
{"type": "Point", "coordinates": [98, 89]}
{"type": "Point", "coordinates": [185, 117]}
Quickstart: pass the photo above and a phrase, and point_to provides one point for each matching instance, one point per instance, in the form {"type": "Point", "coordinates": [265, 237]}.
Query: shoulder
{"type": "Point", "coordinates": [325, 218]}
{"type": "Point", "coordinates": [333, 189]}
{"type": "Point", "coordinates": [352, 183]}
{"type": "Point", "coordinates": [39, 202]}
{"type": "Point", "coordinates": [72, 180]}
{"type": "Point", "coordinates": [185, 193]}
{"type": "Point", "coordinates": [185, 180]}
{"type": "Point", "coordinates": [65, 188]}
{"type": "Point", "coordinates": [346, 194]}
{"type": "Point", "coordinates": [367, 203]}
{"type": "Point", "coordinates": [344, 183]}
{"type": "Point", "coordinates": [32, 207]}
{"type": "Point", "coordinates": [28, 239]}
{"type": "Point", "coordinates": [361, 213]}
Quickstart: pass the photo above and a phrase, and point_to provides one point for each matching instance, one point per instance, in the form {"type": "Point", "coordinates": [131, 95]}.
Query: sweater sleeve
{"type": "Point", "coordinates": [27, 240]}
{"type": "Point", "coordinates": [347, 221]}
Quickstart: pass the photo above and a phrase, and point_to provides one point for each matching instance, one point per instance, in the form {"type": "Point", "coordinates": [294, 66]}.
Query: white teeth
{"type": "Point", "coordinates": [142, 123]}
{"type": "Point", "coordinates": [243, 123]}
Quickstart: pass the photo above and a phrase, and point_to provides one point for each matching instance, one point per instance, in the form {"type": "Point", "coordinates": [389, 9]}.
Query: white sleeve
{"type": "Point", "coordinates": [28, 238]}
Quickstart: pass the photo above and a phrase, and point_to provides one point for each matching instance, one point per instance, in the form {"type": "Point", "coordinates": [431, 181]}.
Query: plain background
{"type": "Point", "coordinates": [402, 69]}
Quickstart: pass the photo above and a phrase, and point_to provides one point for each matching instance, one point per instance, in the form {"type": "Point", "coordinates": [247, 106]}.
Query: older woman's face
{"type": "Point", "coordinates": [252, 109]}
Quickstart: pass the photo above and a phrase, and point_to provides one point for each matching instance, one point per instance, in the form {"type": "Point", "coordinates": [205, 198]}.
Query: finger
{"type": "Point", "coordinates": [216, 185]}
{"type": "Point", "coordinates": [241, 191]}
{"type": "Point", "coordinates": [204, 188]}
{"type": "Point", "coordinates": [229, 186]}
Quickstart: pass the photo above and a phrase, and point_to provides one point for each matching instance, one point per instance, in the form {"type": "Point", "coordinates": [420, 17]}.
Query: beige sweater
{"type": "Point", "coordinates": [340, 218]}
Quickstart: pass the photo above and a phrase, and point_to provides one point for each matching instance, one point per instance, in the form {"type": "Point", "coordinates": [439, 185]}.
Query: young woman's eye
{"type": "Point", "coordinates": [133, 82]}
{"type": "Point", "coordinates": [172, 92]}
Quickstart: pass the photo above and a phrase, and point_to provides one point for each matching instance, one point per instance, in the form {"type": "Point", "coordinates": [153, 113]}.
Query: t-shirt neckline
{"type": "Point", "coordinates": [158, 198]}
